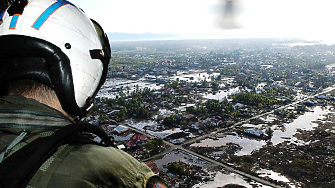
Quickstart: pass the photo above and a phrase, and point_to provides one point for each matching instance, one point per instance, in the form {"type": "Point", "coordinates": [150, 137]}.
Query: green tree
{"type": "Point", "coordinates": [170, 121]}
{"type": "Point", "coordinates": [149, 145]}
{"type": "Point", "coordinates": [122, 114]}
{"type": "Point", "coordinates": [215, 86]}
{"type": "Point", "coordinates": [175, 168]}
{"type": "Point", "coordinates": [269, 132]}
{"type": "Point", "coordinates": [205, 83]}
{"type": "Point", "coordinates": [160, 141]}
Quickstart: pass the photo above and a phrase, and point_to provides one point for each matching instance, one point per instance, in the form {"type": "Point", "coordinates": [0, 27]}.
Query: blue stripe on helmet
{"type": "Point", "coordinates": [48, 12]}
{"type": "Point", "coordinates": [13, 22]}
{"type": "Point", "coordinates": [64, 1]}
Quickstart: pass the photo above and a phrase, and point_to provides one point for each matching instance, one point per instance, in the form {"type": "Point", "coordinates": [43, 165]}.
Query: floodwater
{"type": "Point", "coordinates": [140, 124]}
{"type": "Point", "coordinates": [280, 134]}
{"type": "Point", "coordinates": [259, 126]}
{"type": "Point", "coordinates": [273, 175]}
{"type": "Point", "coordinates": [219, 178]}
{"type": "Point", "coordinates": [248, 145]}
{"type": "Point", "coordinates": [165, 112]}
{"type": "Point", "coordinates": [269, 119]}
{"type": "Point", "coordinates": [195, 77]}
{"type": "Point", "coordinates": [183, 108]}
{"type": "Point", "coordinates": [112, 85]}
{"type": "Point", "coordinates": [304, 122]}
{"type": "Point", "coordinates": [153, 125]}
{"type": "Point", "coordinates": [222, 94]}
{"type": "Point", "coordinates": [222, 179]}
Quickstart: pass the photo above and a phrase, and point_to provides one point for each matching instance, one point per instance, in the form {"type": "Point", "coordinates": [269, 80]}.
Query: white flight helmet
{"type": "Point", "coordinates": [53, 42]}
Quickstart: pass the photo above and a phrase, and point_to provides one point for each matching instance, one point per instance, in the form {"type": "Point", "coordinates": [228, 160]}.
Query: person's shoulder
{"type": "Point", "coordinates": [106, 154]}
{"type": "Point", "coordinates": [106, 164]}
{"type": "Point", "coordinates": [120, 160]}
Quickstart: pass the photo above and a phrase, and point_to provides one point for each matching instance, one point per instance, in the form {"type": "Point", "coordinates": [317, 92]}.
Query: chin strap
{"type": "Point", "coordinates": [12, 144]}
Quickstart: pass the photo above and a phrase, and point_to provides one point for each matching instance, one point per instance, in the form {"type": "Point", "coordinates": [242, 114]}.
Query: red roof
{"type": "Point", "coordinates": [152, 165]}
{"type": "Point", "coordinates": [135, 138]}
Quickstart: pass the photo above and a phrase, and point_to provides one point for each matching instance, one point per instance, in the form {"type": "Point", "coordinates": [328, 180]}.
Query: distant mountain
{"type": "Point", "coordinates": [143, 36]}
{"type": "Point", "coordinates": [114, 37]}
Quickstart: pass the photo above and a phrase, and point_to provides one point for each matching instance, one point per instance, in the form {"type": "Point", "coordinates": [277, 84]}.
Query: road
{"type": "Point", "coordinates": [225, 166]}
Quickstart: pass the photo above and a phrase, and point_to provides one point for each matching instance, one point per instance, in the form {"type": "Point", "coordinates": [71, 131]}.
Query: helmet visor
{"type": "Point", "coordinates": [105, 52]}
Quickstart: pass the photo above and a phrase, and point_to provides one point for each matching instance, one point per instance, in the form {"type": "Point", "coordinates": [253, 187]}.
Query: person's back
{"type": "Point", "coordinates": [53, 62]}
{"type": "Point", "coordinates": [77, 165]}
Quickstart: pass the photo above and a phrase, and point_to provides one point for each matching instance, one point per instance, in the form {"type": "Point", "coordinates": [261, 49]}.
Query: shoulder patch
{"type": "Point", "coordinates": [156, 182]}
{"type": "Point", "coordinates": [159, 185]}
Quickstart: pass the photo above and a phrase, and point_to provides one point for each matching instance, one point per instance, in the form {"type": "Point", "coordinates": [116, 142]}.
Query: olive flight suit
{"type": "Point", "coordinates": [80, 165]}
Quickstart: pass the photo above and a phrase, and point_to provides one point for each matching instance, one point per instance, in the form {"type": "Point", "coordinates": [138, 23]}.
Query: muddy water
{"type": "Point", "coordinates": [222, 179]}
{"type": "Point", "coordinates": [282, 133]}
{"type": "Point", "coordinates": [304, 122]}
{"type": "Point", "coordinates": [219, 178]}
{"type": "Point", "coordinates": [273, 175]}
{"type": "Point", "coordinates": [248, 145]}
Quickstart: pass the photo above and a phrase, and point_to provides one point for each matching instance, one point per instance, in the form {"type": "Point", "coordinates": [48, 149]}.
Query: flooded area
{"type": "Point", "coordinates": [232, 143]}
{"type": "Point", "coordinates": [273, 175]}
{"type": "Point", "coordinates": [248, 145]}
{"type": "Point", "coordinates": [150, 127]}
{"type": "Point", "coordinates": [216, 178]}
{"type": "Point", "coordinates": [278, 129]}
{"type": "Point", "coordinates": [222, 94]}
{"type": "Point", "coordinates": [178, 156]}
{"type": "Point", "coordinates": [183, 107]}
{"type": "Point", "coordinates": [281, 133]}
{"type": "Point", "coordinates": [140, 124]}
{"type": "Point", "coordinates": [163, 113]}
{"type": "Point", "coordinates": [195, 77]}
{"type": "Point", "coordinates": [113, 86]}
{"type": "Point", "coordinates": [222, 179]}
{"type": "Point", "coordinates": [269, 119]}
{"type": "Point", "coordinates": [306, 122]}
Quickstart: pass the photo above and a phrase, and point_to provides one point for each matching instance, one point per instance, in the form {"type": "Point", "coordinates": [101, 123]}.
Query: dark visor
{"type": "Point", "coordinates": [105, 52]}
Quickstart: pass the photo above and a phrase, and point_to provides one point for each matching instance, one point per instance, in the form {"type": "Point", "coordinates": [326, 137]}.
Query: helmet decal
{"type": "Point", "coordinates": [48, 12]}
{"type": "Point", "coordinates": [15, 10]}
{"type": "Point", "coordinates": [13, 23]}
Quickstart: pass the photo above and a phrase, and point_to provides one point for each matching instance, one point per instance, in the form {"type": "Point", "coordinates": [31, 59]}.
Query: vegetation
{"type": "Point", "coordinates": [155, 143]}
{"type": "Point", "coordinates": [212, 108]}
{"type": "Point", "coordinates": [254, 99]}
{"type": "Point", "coordinates": [175, 168]}
{"type": "Point", "coordinates": [269, 132]}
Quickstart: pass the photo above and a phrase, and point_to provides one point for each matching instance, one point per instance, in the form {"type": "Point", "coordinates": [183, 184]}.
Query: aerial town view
{"type": "Point", "coordinates": [224, 113]}
{"type": "Point", "coordinates": [168, 93]}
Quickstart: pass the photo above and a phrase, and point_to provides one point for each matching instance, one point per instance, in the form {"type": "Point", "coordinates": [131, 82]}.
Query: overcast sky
{"type": "Point", "coordinates": [311, 19]}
